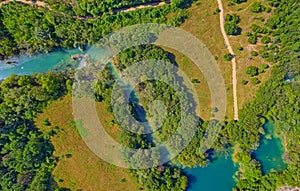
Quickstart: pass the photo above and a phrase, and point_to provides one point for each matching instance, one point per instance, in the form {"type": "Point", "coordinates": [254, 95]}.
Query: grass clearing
{"type": "Point", "coordinates": [204, 24]}
{"type": "Point", "coordinates": [78, 167]}
{"type": "Point", "coordinates": [244, 57]}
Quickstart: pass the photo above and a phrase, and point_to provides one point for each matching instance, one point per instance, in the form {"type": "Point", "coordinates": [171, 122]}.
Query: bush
{"type": "Point", "coordinates": [195, 81]}
{"type": "Point", "coordinates": [254, 53]}
{"type": "Point", "coordinates": [217, 11]}
{"type": "Point", "coordinates": [231, 27]}
{"type": "Point", "coordinates": [232, 18]}
{"type": "Point", "coordinates": [240, 48]}
{"type": "Point", "coordinates": [257, 7]}
{"type": "Point", "coordinates": [265, 39]}
{"type": "Point", "coordinates": [268, 9]}
{"type": "Point", "coordinates": [252, 71]}
{"type": "Point", "coordinates": [252, 39]}
{"type": "Point", "coordinates": [264, 66]}
{"type": "Point", "coordinates": [227, 57]}
{"type": "Point", "coordinates": [244, 82]}
{"type": "Point", "coordinates": [255, 81]}
{"type": "Point", "coordinates": [46, 122]}
{"type": "Point", "coordinates": [248, 34]}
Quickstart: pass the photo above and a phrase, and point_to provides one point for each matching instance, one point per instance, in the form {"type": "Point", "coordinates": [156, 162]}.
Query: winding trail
{"type": "Point", "coordinates": [227, 43]}
{"type": "Point", "coordinates": [38, 3]}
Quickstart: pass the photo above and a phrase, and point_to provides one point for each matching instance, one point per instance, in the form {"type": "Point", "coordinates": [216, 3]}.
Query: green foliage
{"type": "Point", "coordinates": [252, 71]}
{"type": "Point", "coordinates": [244, 82]}
{"type": "Point", "coordinates": [26, 154]}
{"type": "Point", "coordinates": [254, 53]}
{"type": "Point", "coordinates": [258, 29]}
{"type": "Point", "coordinates": [240, 48]}
{"type": "Point", "coordinates": [264, 66]}
{"type": "Point", "coordinates": [30, 29]}
{"type": "Point", "coordinates": [46, 122]}
{"type": "Point", "coordinates": [265, 39]}
{"type": "Point", "coordinates": [227, 57]}
{"type": "Point", "coordinates": [257, 7]}
{"type": "Point", "coordinates": [217, 11]}
{"type": "Point", "coordinates": [272, 104]}
{"type": "Point", "coordinates": [195, 81]}
{"type": "Point", "coordinates": [255, 81]}
{"type": "Point", "coordinates": [181, 3]}
{"type": "Point", "coordinates": [252, 39]}
{"type": "Point", "coordinates": [164, 177]}
{"type": "Point", "coordinates": [93, 8]}
{"type": "Point", "coordinates": [231, 27]}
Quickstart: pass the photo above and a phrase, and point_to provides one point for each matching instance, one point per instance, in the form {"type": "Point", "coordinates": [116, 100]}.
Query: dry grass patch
{"type": "Point", "coordinates": [204, 25]}
{"type": "Point", "coordinates": [79, 168]}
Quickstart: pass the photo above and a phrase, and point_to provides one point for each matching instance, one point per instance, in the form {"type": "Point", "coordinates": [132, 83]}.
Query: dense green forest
{"type": "Point", "coordinates": [26, 154]}
{"type": "Point", "coordinates": [93, 8]}
{"type": "Point", "coordinates": [30, 29]}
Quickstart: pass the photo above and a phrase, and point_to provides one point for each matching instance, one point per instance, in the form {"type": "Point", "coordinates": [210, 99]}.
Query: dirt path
{"type": "Point", "coordinates": [234, 80]}
{"type": "Point", "coordinates": [133, 8]}
{"type": "Point", "coordinates": [38, 3]}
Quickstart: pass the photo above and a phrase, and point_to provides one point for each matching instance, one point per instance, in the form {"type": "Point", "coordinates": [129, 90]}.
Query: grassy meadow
{"type": "Point", "coordinates": [78, 167]}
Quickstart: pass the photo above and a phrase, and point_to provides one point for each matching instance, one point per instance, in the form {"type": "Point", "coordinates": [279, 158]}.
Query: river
{"type": "Point", "coordinates": [218, 175]}
{"type": "Point", "coordinates": [35, 64]}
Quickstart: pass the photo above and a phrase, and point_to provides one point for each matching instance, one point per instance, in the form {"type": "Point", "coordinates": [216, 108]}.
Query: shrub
{"type": "Point", "coordinates": [217, 11]}
{"type": "Point", "coordinates": [252, 39]}
{"type": "Point", "coordinates": [252, 71]}
{"type": "Point", "coordinates": [254, 53]}
{"type": "Point", "coordinates": [233, 18]}
{"type": "Point", "coordinates": [195, 81]}
{"type": "Point", "coordinates": [248, 34]}
{"type": "Point", "coordinates": [265, 39]}
{"type": "Point", "coordinates": [264, 66]}
{"type": "Point", "coordinates": [227, 57]}
{"type": "Point", "coordinates": [232, 28]}
{"type": "Point", "coordinates": [46, 122]}
{"type": "Point", "coordinates": [257, 7]}
{"type": "Point", "coordinates": [268, 9]}
{"type": "Point", "coordinates": [244, 82]}
{"type": "Point", "coordinates": [255, 81]}
{"type": "Point", "coordinates": [240, 48]}
{"type": "Point", "coordinates": [264, 54]}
